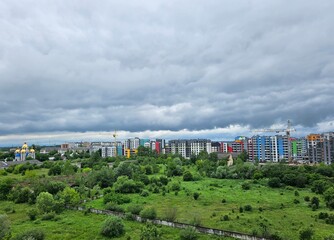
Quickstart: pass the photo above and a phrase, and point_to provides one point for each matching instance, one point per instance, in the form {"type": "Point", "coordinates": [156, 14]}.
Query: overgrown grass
{"type": "Point", "coordinates": [76, 225]}
{"type": "Point", "coordinates": [273, 210]}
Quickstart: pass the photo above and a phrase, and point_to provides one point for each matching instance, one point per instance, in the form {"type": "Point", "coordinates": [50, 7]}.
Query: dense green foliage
{"type": "Point", "coordinates": [112, 227]}
{"type": "Point", "coordinates": [253, 198]}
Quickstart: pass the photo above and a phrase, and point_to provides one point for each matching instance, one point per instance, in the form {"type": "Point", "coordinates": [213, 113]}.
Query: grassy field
{"type": "Point", "coordinates": [76, 225]}
{"type": "Point", "coordinates": [273, 210]}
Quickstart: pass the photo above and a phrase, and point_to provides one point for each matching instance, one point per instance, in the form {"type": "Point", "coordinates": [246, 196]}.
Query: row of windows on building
{"type": "Point", "coordinates": [313, 148]}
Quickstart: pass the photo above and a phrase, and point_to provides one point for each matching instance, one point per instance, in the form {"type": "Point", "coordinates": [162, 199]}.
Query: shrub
{"type": "Point", "coordinates": [135, 209]}
{"type": "Point", "coordinates": [248, 208]}
{"type": "Point", "coordinates": [196, 195]}
{"type": "Point", "coordinates": [329, 197]}
{"type": "Point", "coordinates": [116, 198]}
{"type": "Point", "coordinates": [246, 186]}
{"type": "Point", "coordinates": [188, 234]}
{"type": "Point", "coordinates": [187, 176]}
{"type": "Point", "coordinates": [149, 213]}
{"type": "Point", "coordinates": [45, 202]}
{"type": "Point", "coordinates": [4, 226]}
{"type": "Point", "coordinates": [48, 216]}
{"type": "Point", "coordinates": [330, 219]}
{"type": "Point", "coordinates": [112, 227]}
{"type": "Point", "coordinates": [314, 204]}
{"type": "Point", "coordinates": [144, 193]}
{"type": "Point", "coordinates": [225, 218]}
{"type": "Point", "coordinates": [224, 200]}
{"type": "Point", "coordinates": [150, 232]}
{"type": "Point", "coordinates": [175, 186]}
{"type": "Point", "coordinates": [113, 207]}
{"type": "Point", "coordinates": [33, 234]}
{"type": "Point", "coordinates": [126, 185]}
{"type": "Point", "coordinates": [296, 201]}
{"type": "Point", "coordinates": [296, 193]}
{"type": "Point", "coordinates": [32, 213]}
{"type": "Point", "coordinates": [307, 198]}
{"type": "Point", "coordinates": [274, 182]}
{"type": "Point", "coordinates": [306, 234]}
{"type": "Point", "coordinates": [323, 215]}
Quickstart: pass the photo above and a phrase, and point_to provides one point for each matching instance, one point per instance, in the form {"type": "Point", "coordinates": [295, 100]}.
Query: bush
{"type": "Point", "coordinates": [175, 186]}
{"type": "Point", "coordinates": [306, 234]}
{"type": "Point", "coordinates": [187, 176]}
{"type": "Point", "coordinates": [113, 207]}
{"type": "Point", "coordinates": [4, 226]}
{"type": "Point", "coordinates": [48, 216]}
{"type": "Point", "coordinates": [323, 215]}
{"type": "Point", "coordinates": [248, 208]}
{"type": "Point", "coordinates": [149, 213]}
{"type": "Point", "coordinates": [307, 198]}
{"type": "Point", "coordinates": [135, 209]}
{"type": "Point", "coordinates": [225, 218]}
{"type": "Point", "coordinates": [196, 195]}
{"type": "Point", "coordinates": [33, 234]}
{"type": "Point", "coordinates": [296, 201]}
{"type": "Point", "coordinates": [274, 182]}
{"type": "Point", "coordinates": [32, 213]}
{"type": "Point", "coordinates": [144, 193]}
{"type": "Point", "coordinates": [330, 219]}
{"type": "Point", "coordinates": [45, 202]}
{"type": "Point", "coordinates": [150, 232]}
{"type": "Point", "coordinates": [189, 234]}
{"type": "Point", "coordinates": [112, 227]}
{"type": "Point", "coordinates": [246, 186]}
{"type": "Point", "coordinates": [314, 204]}
{"type": "Point", "coordinates": [116, 198]}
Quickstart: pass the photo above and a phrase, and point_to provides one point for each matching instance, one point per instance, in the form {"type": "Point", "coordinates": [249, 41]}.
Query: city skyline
{"type": "Point", "coordinates": [217, 69]}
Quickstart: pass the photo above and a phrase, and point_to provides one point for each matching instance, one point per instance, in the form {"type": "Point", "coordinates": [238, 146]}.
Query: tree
{"type": "Point", "coordinates": [5, 187]}
{"type": "Point", "coordinates": [45, 202]}
{"type": "Point", "coordinates": [112, 227]}
{"type": "Point", "coordinates": [70, 197]}
{"type": "Point", "coordinates": [4, 227]}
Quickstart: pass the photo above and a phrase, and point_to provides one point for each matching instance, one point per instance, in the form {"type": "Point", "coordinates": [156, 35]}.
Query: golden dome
{"type": "Point", "coordinates": [17, 150]}
{"type": "Point", "coordinates": [32, 150]}
{"type": "Point", "coordinates": [24, 146]}
{"type": "Point", "coordinates": [23, 151]}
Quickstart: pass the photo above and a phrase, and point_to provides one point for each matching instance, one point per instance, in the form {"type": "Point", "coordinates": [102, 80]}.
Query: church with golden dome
{"type": "Point", "coordinates": [24, 152]}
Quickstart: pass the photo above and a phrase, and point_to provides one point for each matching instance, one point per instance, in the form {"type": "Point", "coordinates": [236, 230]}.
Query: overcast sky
{"type": "Point", "coordinates": [189, 68]}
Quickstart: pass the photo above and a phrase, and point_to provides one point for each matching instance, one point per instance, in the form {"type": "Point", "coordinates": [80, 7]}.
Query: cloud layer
{"type": "Point", "coordinates": [164, 65]}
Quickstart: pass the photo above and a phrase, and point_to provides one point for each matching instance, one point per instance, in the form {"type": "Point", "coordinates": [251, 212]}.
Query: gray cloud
{"type": "Point", "coordinates": [156, 65]}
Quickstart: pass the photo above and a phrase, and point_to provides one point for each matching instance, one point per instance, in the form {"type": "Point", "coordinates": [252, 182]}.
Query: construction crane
{"type": "Point", "coordinates": [115, 138]}
{"type": "Point", "coordinates": [287, 131]}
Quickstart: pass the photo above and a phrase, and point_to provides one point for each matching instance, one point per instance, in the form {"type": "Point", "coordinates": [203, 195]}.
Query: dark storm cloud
{"type": "Point", "coordinates": [81, 66]}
